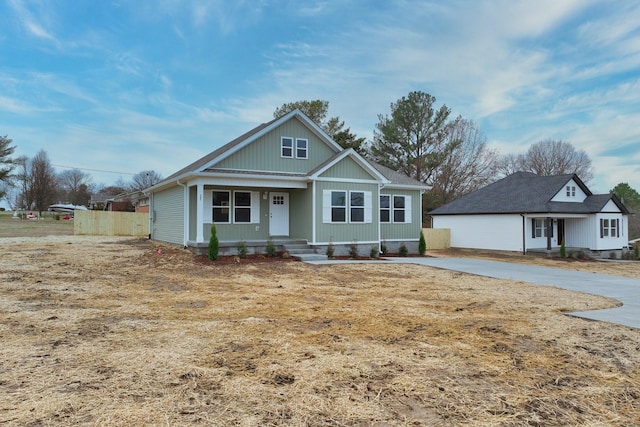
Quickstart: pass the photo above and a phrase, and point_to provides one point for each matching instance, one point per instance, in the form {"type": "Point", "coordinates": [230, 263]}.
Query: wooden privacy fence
{"type": "Point", "coordinates": [437, 238]}
{"type": "Point", "coordinates": [107, 223]}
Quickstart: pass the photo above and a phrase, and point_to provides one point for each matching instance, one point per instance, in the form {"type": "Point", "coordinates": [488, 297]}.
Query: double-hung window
{"type": "Point", "coordinates": [609, 227]}
{"type": "Point", "coordinates": [239, 207]}
{"type": "Point", "coordinates": [341, 206]}
{"type": "Point", "coordinates": [385, 208]}
{"type": "Point", "coordinates": [338, 206]}
{"type": "Point", "coordinates": [539, 229]}
{"type": "Point", "coordinates": [286, 147]}
{"type": "Point", "coordinates": [356, 203]}
{"type": "Point", "coordinates": [242, 206]}
{"type": "Point", "coordinates": [301, 148]}
{"type": "Point", "coordinates": [221, 205]}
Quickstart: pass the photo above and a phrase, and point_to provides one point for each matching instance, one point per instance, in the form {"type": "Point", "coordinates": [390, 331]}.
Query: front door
{"type": "Point", "coordinates": [279, 214]}
{"type": "Point", "coordinates": [560, 231]}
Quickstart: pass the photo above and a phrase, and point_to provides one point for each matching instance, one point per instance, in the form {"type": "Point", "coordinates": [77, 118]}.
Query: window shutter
{"type": "Point", "coordinates": [618, 227]}
{"type": "Point", "coordinates": [368, 208]}
{"type": "Point", "coordinates": [550, 227]}
{"type": "Point", "coordinates": [601, 228]}
{"type": "Point", "coordinates": [407, 209]}
{"type": "Point", "coordinates": [255, 207]}
{"type": "Point", "coordinates": [533, 228]}
{"type": "Point", "coordinates": [326, 206]}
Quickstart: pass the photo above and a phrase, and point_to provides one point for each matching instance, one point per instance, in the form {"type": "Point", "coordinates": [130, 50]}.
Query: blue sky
{"type": "Point", "coordinates": [126, 86]}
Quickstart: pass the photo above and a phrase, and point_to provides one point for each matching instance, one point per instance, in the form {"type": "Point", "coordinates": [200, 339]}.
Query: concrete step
{"type": "Point", "coordinates": [310, 257]}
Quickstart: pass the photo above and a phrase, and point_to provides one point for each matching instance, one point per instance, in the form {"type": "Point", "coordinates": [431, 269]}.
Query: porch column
{"type": "Point", "coordinates": [549, 226]}
{"type": "Point", "coordinates": [200, 213]}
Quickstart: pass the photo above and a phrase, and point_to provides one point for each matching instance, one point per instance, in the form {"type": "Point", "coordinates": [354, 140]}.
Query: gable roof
{"type": "Point", "coordinates": [526, 192]}
{"type": "Point", "coordinates": [245, 139]}
{"type": "Point", "coordinates": [350, 152]}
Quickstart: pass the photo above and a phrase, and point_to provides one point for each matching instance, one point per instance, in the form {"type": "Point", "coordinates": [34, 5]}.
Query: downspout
{"type": "Point", "coordinates": [524, 235]}
{"type": "Point", "coordinates": [185, 228]}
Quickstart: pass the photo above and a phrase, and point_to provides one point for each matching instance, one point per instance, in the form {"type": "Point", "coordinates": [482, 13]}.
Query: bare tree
{"type": "Point", "coordinates": [468, 167]}
{"type": "Point", "coordinates": [41, 181]}
{"type": "Point", "coordinates": [552, 157]}
{"type": "Point", "coordinates": [75, 186]}
{"type": "Point", "coordinates": [144, 179]}
{"type": "Point", "coordinates": [6, 164]}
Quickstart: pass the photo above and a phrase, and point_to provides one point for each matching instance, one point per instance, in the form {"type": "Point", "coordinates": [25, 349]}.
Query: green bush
{"type": "Point", "coordinates": [373, 253]}
{"type": "Point", "coordinates": [563, 250]}
{"type": "Point", "coordinates": [242, 249]}
{"type": "Point", "coordinates": [353, 250]}
{"type": "Point", "coordinates": [403, 251]}
{"type": "Point", "coordinates": [271, 248]}
{"type": "Point", "coordinates": [214, 245]}
{"type": "Point", "coordinates": [613, 255]}
{"type": "Point", "coordinates": [330, 250]}
{"type": "Point", "coordinates": [636, 250]}
{"type": "Point", "coordinates": [383, 248]}
{"type": "Point", "coordinates": [422, 244]}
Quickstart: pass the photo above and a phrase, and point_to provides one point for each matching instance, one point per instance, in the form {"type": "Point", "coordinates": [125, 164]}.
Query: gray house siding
{"type": "Point", "coordinates": [300, 214]}
{"type": "Point", "coordinates": [347, 168]}
{"type": "Point", "coordinates": [264, 154]}
{"type": "Point", "coordinates": [168, 215]}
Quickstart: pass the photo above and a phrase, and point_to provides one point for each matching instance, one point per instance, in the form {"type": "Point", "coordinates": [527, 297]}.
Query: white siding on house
{"type": "Point", "coordinates": [168, 216]}
{"type": "Point", "coordinates": [495, 232]}
{"type": "Point", "coordinates": [561, 196]}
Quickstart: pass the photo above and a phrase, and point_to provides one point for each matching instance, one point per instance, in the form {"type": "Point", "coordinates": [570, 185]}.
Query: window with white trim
{"type": "Point", "coordinates": [286, 147]}
{"type": "Point", "coordinates": [356, 206]}
{"type": "Point", "coordinates": [539, 228]}
{"type": "Point", "coordinates": [399, 208]}
{"type": "Point", "coordinates": [571, 191]}
{"type": "Point", "coordinates": [221, 205]}
{"type": "Point", "coordinates": [301, 148]}
{"type": "Point", "coordinates": [385, 208]}
{"type": "Point", "coordinates": [242, 206]}
{"type": "Point", "coordinates": [340, 206]}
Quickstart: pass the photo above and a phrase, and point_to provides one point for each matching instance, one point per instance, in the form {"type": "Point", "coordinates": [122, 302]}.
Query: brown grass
{"type": "Point", "coordinates": [107, 331]}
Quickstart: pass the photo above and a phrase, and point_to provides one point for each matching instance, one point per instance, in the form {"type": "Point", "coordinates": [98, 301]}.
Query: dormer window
{"type": "Point", "coordinates": [571, 191]}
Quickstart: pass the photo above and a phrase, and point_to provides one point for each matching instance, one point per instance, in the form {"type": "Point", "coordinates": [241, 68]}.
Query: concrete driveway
{"type": "Point", "coordinates": [623, 289]}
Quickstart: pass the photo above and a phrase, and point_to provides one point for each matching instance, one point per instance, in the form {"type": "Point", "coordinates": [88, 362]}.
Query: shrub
{"type": "Point", "coordinates": [214, 245]}
{"type": "Point", "coordinates": [636, 251]}
{"type": "Point", "coordinates": [353, 250]}
{"type": "Point", "coordinates": [563, 250]}
{"type": "Point", "coordinates": [403, 251]}
{"type": "Point", "coordinates": [242, 249]}
{"type": "Point", "coordinates": [383, 248]}
{"type": "Point", "coordinates": [613, 255]}
{"type": "Point", "coordinates": [330, 250]}
{"type": "Point", "coordinates": [373, 253]}
{"type": "Point", "coordinates": [271, 248]}
{"type": "Point", "coordinates": [422, 244]}
{"type": "Point", "coordinates": [56, 217]}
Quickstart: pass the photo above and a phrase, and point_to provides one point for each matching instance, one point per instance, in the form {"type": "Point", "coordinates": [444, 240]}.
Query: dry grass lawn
{"type": "Point", "coordinates": [107, 331]}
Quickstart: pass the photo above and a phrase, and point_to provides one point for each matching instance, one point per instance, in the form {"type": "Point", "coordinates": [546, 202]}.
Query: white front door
{"type": "Point", "coordinates": [279, 214]}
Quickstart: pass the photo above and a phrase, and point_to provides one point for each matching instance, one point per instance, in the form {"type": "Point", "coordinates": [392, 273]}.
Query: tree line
{"type": "Point", "coordinates": [417, 137]}
{"type": "Point", "coordinates": [34, 184]}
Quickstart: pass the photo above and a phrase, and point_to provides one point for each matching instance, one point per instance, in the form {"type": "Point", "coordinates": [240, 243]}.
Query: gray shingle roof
{"type": "Point", "coordinates": [395, 177]}
{"type": "Point", "coordinates": [525, 192]}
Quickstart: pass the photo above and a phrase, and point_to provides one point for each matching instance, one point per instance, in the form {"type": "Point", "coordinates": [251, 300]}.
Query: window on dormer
{"type": "Point", "coordinates": [571, 191]}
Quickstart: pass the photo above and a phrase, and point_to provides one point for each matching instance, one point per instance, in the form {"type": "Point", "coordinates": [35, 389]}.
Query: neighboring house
{"type": "Point", "coordinates": [288, 181]}
{"type": "Point", "coordinates": [135, 201]}
{"type": "Point", "coordinates": [526, 212]}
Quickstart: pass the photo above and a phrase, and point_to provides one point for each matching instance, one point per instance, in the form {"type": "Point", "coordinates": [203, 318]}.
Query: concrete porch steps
{"type": "Point", "coordinates": [303, 252]}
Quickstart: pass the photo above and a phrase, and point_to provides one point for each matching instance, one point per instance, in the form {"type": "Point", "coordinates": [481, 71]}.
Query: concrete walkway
{"type": "Point", "coordinates": [623, 289]}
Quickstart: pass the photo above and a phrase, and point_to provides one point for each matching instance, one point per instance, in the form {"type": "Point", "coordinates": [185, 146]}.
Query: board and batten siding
{"type": "Point", "coordinates": [409, 230]}
{"type": "Point", "coordinates": [168, 215]}
{"type": "Point", "coordinates": [346, 233]}
{"type": "Point", "coordinates": [347, 167]}
{"type": "Point", "coordinates": [264, 153]}
{"type": "Point", "coordinates": [496, 232]}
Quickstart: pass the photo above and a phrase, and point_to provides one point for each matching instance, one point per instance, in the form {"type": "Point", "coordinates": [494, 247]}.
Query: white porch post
{"type": "Point", "coordinates": [200, 213]}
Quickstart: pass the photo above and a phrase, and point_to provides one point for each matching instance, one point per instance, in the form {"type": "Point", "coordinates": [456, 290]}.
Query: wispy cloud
{"type": "Point", "coordinates": [33, 23]}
